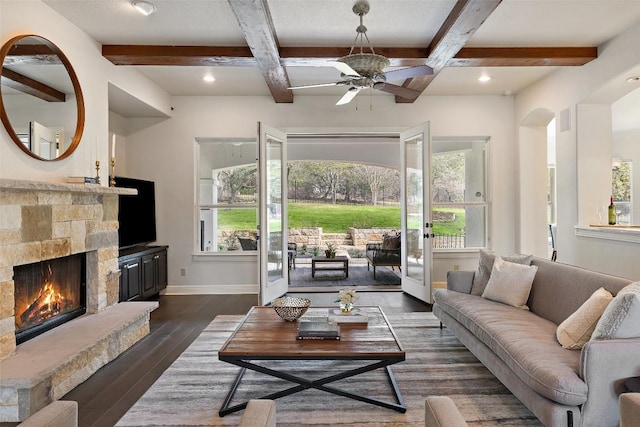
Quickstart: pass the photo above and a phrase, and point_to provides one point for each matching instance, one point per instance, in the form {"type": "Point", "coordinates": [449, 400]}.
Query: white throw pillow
{"type": "Point", "coordinates": [510, 283]}
{"type": "Point", "coordinates": [621, 319]}
{"type": "Point", "coordinates": [485, 265]}
{"type": "Point", "coordinates": [577, 329]}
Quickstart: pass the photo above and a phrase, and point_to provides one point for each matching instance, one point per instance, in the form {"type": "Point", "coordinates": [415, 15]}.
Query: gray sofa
{"type": "Point", "coordinates": [561, 387]}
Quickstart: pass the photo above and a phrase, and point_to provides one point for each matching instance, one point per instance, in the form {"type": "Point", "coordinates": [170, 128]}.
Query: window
{"type": "Point", "coordinates": [458, 190]}
{"type": "Point", "coordinates": [227, 194]}
{"type": "Point", "coordinates": [621, 190]}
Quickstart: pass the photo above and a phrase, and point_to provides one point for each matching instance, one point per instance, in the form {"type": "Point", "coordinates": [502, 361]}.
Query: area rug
{"type": "Point", "coordinates": [359, 278]}
{"type": "Point", "coordinates": [192, 390]}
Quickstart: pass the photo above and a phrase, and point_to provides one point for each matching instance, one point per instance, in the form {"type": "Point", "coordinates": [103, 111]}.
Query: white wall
{"type": "Point", "coordinates": [93, 71]}
{"type": "Point", "coordinates": [164, 153]}
{"type": "Point", "coordinates": [596, 85]}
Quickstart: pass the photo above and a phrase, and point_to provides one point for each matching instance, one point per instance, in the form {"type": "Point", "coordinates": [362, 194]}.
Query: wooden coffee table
{"type": "Point", "coordinates": [320, 263]}
{"type": "Point", "coordinates": [263, 335]}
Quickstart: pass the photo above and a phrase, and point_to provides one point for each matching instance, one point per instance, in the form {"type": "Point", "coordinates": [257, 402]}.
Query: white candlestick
{"type": "Point", "coordinates": [113, 146]}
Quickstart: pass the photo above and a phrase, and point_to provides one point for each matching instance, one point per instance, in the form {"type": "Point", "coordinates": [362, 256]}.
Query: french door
{"type": "Point", "coordinates": [415, 185]}
{"type": "Point", "coordinates": [273, 255]}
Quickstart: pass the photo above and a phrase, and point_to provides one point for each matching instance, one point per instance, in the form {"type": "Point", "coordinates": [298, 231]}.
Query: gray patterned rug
{"type": "Point", "coordinates": [191, 391]}
{"type": "Point", "coordinates": [332, 281]}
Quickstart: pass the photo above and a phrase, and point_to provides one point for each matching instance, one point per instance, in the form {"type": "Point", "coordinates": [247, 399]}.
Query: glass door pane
{"type": "Point", "coordinates": [414, 255]}
{"type": "Point", "coordinates": [416, 245]}
{"type": "Point", "coordinates": [273, 215]}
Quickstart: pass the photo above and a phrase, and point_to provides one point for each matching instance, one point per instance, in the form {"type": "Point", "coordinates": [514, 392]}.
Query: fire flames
{"type": "Point", "coordinates": [49, 303]}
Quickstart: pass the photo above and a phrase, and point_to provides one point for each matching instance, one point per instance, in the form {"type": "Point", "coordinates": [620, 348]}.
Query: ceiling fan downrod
{"type": "Point", "coordinates": [361, 8]}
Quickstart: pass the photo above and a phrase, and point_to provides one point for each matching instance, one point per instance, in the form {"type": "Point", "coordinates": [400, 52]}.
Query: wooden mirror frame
{"type": "Point", "coordinates": [6, 48]}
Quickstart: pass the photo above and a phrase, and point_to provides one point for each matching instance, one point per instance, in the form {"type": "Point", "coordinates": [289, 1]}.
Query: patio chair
{"type": "Point", "coordinates": [292, 247]}
{"type": "Point", "coordinates": [385, 254]}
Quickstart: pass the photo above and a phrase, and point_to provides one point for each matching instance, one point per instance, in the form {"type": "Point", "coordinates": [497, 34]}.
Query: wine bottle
{"type": "Point", "coordinates": [612, 213]}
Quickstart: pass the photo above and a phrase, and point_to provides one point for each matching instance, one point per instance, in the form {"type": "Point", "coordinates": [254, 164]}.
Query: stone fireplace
{"type": "Point", "coordinates": [40, 222]}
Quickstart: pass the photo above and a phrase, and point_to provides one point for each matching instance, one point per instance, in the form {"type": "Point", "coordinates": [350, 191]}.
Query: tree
{"type": "Point", "coordinates": [327, 177]}
{"type": "Point", "coordinates": [376, 177]}
{"type": "Point", "coordinates": [621, 178]}
{"type": "Point", "coordinates": [234, 181]}
{"type": "Point", "coordinates": [447, 177]}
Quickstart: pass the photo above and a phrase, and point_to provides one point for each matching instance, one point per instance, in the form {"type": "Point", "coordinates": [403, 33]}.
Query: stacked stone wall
{"type": "Point", "coordinates": [41, 222]}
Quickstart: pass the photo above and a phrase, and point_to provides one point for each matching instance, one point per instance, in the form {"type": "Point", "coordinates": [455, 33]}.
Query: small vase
{"type": "Point", "coordinates": [346, 307]}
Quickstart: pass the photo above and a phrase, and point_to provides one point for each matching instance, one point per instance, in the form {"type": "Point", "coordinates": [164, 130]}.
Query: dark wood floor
{"type": "Point", "coordinates": [107, 395]}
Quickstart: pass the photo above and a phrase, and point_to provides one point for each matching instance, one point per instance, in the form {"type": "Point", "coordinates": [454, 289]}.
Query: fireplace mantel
{"type": "Point", "coordinates": [21, 185]}
{"type": "Point", "coordinates": [40, 221]}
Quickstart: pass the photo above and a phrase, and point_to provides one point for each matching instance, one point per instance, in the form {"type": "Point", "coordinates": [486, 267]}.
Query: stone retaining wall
{"type": "Point", "coordinates": [314, 237]}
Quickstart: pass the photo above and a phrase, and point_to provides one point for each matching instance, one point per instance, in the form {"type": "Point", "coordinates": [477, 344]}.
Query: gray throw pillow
{"type": "Point", "coordinates": [621, 319]}
{"type": "Point", "coordinates": [486, 264]}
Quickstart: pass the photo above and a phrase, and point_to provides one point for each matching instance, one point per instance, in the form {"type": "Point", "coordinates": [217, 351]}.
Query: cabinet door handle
{"type": "Point", "coordinates": [156, 257]}
{"type": "Point", "coordinates": [130, 266]}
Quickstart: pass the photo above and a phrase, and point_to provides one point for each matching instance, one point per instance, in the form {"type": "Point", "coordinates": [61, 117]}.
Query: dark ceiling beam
{"type": "Point", "coordinates": [318, 56]}
{"type": "Point", "coordinates": [463, 21]}
{"type": "Point", "coordinates": [523, 56]}
{"type": "Point", "coordinates": [179, 55]}
{"type": "Point", "coordinates": [25, 54]}
{"type": "Point", "coordinates": [30, 86]}
{"type": "Point", "coordinates": [255, 21]}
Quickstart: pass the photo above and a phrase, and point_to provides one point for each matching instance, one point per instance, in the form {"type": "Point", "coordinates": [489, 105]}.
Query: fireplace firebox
{"type": "Point", "coordinates": [47, 294]}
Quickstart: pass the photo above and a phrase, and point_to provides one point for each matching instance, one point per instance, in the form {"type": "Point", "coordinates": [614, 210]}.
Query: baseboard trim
{"type": "Point", "coordinates": [211, 289]}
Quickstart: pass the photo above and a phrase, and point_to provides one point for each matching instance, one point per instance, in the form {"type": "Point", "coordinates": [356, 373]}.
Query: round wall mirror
{"type": "Point", "coordinates": [41, 103]}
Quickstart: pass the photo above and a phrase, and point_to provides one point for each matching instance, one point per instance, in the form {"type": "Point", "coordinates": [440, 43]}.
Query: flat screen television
{"type": "Point", "coordinates": [136, 213]}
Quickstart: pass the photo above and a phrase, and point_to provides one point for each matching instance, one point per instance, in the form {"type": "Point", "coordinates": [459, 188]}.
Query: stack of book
{"type": "Point", "coordinates": [355, 316]}
{"type": "Point", "coordinates": [318, 331]}
{"type": "Point", "coordinates": [82, 180]}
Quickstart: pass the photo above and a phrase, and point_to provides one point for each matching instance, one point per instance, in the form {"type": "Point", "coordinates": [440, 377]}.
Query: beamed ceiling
{"type": "Point", "coordinates": [284, 43]}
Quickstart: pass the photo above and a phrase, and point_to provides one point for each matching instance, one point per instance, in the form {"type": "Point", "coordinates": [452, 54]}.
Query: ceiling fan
{"type": "Point", "coordinates": [362, 70]}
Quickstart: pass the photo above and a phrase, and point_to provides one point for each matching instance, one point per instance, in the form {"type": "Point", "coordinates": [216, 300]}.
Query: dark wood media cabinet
{"type": "Point", "coordinates": [143, 271]}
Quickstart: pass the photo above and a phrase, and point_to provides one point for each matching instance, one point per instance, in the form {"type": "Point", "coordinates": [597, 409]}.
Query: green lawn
{"type": "Point", "coordinates": [336, 218]}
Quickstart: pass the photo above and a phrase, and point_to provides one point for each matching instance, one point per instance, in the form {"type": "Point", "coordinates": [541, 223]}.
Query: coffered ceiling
{"type": "Point", "coordinates": [261, 47]}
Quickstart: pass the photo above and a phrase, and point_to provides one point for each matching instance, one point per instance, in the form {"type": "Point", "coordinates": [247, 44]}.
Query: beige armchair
{"type": "Point", "coordinates": [629, 409]}
{"type": "Point", "coordinates": [440, 411]}
{"type": "Point", "coordinates": [259, 413]}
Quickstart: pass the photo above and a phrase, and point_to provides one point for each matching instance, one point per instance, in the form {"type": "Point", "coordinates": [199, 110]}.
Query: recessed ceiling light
{"type": "Point", "coordinates": [144, 7]}
{"type": "Point", "coordinates": [633, 79]}
{"type": "Point", "coordinates": [484, 78]}
{"type": "Point", "coordinates": [208, 78]}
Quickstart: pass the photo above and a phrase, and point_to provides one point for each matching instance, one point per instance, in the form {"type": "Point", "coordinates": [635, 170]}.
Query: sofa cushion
{"type": "Point", "coordinates": [510, 283]}
{"type": "Point", "coordinates": [485, 265]}
{"type": "Point", "coordinates": [525, 342]}
{"type": "Point", "coordinates": [621, 319]}
{"type": "Point", "coordinates": [577, 329]}
{"type": "Point", "coordinates": [560, 289]}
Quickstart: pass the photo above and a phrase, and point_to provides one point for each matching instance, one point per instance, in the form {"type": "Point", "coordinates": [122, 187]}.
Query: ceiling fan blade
{"type": "Point", "coordinates": [347, 97]}
{"type": "Point", "coordinates": [407, 73]}
{"type": "Point", "coordinates": [344, 68]}
{"type": "Point", "coordinates": [400, 91]}
{"type": "Point", "coordinates": [315, 85]}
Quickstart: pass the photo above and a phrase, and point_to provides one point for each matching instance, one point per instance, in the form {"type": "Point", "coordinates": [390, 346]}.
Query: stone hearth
{"type": "Point", "coordinates": [41, 221]}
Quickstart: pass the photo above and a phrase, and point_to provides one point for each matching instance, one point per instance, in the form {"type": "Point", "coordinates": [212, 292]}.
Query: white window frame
{"type": "Point", "coordinates": [486, 185]}
{"type": "Point", "coordinates": [197, 243]}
